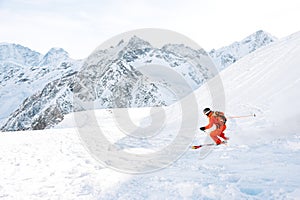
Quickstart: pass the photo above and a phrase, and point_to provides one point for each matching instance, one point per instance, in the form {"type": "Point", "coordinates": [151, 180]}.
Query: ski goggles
{"type": "Point", "coordinates": [207, 112]}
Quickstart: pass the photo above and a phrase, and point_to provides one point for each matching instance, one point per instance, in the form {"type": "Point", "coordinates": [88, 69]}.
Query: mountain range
{"type": "Point", "coordinates": [37, 90]}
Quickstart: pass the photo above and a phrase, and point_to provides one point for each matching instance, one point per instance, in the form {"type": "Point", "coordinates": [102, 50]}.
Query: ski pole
{"type": "Point", "coordinates": [243, 116]}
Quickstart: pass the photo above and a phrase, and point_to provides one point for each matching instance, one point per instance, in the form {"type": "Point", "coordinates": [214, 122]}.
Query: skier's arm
{"type": "Point", "coordinates": [210, 124]}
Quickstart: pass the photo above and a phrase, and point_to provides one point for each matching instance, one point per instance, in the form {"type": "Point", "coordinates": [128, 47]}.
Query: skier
{"type": "Point", "coordinates": [219, 120]}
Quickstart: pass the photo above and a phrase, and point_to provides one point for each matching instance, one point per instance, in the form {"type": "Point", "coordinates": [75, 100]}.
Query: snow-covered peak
{"type": "Point", "coordinates": [129, 49]}
{"type": "Point", "coordinates": [138, 43]}
{"type": "Point", "coordinates": [258, 39]}
{"type": "Point", "coordinates": [55, 55]}
{"type": "Point", "coordinates": [18, 54]}
{"type": "Point", "coordinates": [228, 55]}
{"type": "Point", "coordinates": [57, 50]}
{"type": "Point", "coordinates": [23, 72]}
{"type": "Point", "coordinates": [262, 34]}
{"type": "Point", "coordinates": [183, 50]}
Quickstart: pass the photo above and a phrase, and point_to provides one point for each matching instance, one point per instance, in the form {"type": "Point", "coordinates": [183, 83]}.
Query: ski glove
{"type": "Point", "coordinates": [202, 128]}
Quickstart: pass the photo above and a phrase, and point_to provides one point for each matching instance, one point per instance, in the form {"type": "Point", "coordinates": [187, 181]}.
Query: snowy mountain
{"type": "Point", "coordinates": [28, 72]}
{"type": "Point", "coordinates": [54, 56]}
{"type": "Point", "coordinates": [24, 72]}
{"type": "Point", "coordinates": [226, 56]}
{"type": "Point", "coordinates": [117, 77]}
{"type": "Point", "coordinates": [16, 53]}
{"type": "Point", "coordinates": [261, 160]}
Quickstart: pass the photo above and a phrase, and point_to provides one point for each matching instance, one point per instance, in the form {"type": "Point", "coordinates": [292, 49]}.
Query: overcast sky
{"type": "Point", "coordinates": [80, 26]}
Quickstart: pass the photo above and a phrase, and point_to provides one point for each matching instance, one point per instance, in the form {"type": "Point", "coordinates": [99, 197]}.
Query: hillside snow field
{"type": "Point", "coordinates": [261, 160]}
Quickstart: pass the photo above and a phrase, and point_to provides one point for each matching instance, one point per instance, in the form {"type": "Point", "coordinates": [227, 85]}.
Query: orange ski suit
{"type": "Point", "coordinates": [220, 127]}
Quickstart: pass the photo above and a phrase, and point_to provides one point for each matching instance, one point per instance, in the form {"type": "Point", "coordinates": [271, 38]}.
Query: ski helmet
{"type": "Point", "coordinates": [206, 111]}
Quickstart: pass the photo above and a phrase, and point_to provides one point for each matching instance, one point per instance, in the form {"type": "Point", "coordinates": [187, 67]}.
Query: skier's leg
{"type": "Point", "coordinates": [222, 128]}
{"type": "Point", "coordinates": [222, 135]}
{"type": "Point", "coordinates": [214, 135]}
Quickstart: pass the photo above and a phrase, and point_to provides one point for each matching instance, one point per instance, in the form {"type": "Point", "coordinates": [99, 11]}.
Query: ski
{"type": "Point", "coordinates": [209, 144]}
{"type": "Point", "coordinates": [202, 145]}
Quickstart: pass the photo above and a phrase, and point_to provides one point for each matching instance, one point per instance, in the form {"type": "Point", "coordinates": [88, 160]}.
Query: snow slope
{"type": "Point", "coordinates": [261, 160]}
{"type": "Point", "coordinates": [267, 83]}
{"type": "Point", "coordinates": [53, 164]}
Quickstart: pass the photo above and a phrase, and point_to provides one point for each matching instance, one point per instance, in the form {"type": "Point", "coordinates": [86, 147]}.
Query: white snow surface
{"type": "Point", "coordinates": [261, 160]}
